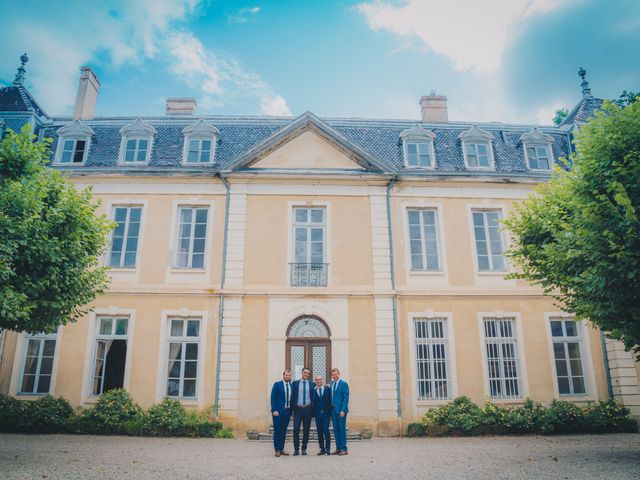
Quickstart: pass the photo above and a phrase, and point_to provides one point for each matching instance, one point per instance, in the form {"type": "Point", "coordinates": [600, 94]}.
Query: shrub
{"type": "Point", "coordinates": [45, 415]}
{"type": "Point", "coordinates": [10, 413]}
{"type": "Point", "coordinates": [224, 433]}
{"type": "Point", "coordinates": [462, 416]}
{"type": "Point", "coordinates": [167, 418]}
{"type": "Point", "coordinates": [416, 430]}
{"type": "Point", "coordinates": [110, 413]}
{"type": "Point", "coordinates": [529, 417]}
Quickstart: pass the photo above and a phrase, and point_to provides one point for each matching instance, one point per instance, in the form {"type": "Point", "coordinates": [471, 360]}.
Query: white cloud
{"type": "Point", "coordinates": [472, 34]}
{"type": "Point", "coordinates": [244, 15]}
{"type": "Point", "coordinates": [275, 106]}
{"type": "Point", "coordinates": [124, 33]}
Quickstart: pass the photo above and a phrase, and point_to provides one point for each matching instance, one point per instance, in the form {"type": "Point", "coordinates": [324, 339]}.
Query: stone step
{"type": "Point", "coordinates": [313, 435]}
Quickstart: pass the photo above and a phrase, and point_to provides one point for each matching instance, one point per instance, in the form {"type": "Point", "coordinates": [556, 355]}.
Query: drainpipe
{"type": "Point", "coordinates": [394, 301]}
{"type": "Point", "coordinates": [222, 280]}
{"type": "Point", "coordinates": [607, 370]}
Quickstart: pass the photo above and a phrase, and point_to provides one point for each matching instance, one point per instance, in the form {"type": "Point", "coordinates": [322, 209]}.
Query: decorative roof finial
{"type": "Point", "coordinates": [19, 80]}
{"type": "Point", "coordinates": [586, 90]}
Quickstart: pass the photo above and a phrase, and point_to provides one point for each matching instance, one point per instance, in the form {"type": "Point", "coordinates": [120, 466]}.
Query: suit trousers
{"type": "Point", "coordinates": [324, 436]}
{"type": "Point", "coordinates": [280, 424]}
{"type": "Point", "coordinates": [301, 415]}
{"type": "Point", "coordinates": [339, 430]}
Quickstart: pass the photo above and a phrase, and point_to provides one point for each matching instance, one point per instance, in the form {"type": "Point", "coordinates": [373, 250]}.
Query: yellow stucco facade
{"type": "Point", "coordinates": [368, 309]}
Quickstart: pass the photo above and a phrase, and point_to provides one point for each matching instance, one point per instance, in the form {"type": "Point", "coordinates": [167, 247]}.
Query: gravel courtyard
{"type": "Point", "coordinates": [90, 457]}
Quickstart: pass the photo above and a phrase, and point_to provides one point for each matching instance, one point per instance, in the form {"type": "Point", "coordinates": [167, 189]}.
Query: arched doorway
{"type": "Point", "coordinates": [309, 345]}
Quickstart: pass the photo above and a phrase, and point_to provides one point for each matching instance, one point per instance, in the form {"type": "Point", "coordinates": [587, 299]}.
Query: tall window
{"type": "Point", "coordinates": [432, 347]}
{"type": "Point", "coordinates": [423, 239]}
{"type": "Point", "coordinates": [419, 155]}
{"type": "Point", "coordinates": [110, 354]}
{"type": "Point", "coordinates": [136, 150]}
{"type": "Point", "coordinates": [489, 248]}
{"type": "Point", "coordinates": [503, 364]}
{"type": "Point", "coordinates": [192, 237]}
{"type": "Point", "coordinates": [38, 364]}
{"type": "Point", "coordinates": [124, 240]}
{"type": "Point", "coordinates": [199, 151]}
{"type": "Point", "coordinates": [567, 352]}
{"type": "Point", "coordinates": [309, 234]}
{"type": "Point", "coordinates": [538, 156]}
{"type": "Point", "coordinates": [478, 155]}
{"type": "Point", "coordinates": [73, 151]}
{"type": "Point", "coordinates": [184, 351]}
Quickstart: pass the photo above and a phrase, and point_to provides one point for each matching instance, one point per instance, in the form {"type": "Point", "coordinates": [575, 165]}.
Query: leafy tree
{"type": "Point", "coordinates": [578, 236]}
{"type": "Point", "coordinates": [50, 240]}
{"type": "Point", "coordinates": [627, 98]}
{"type": "Point", "coordinates": [561, 114]}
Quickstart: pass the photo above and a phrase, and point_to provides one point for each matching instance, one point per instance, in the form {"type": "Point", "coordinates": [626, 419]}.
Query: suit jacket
{"type": "Point", "coordinates": [294, 395]}
{"type": "Point", "coordinates": [278, 398]}
{"type": "Point", "coordinates": [340, 399]}
{"type": "Point", "coordinates": [322, 404]}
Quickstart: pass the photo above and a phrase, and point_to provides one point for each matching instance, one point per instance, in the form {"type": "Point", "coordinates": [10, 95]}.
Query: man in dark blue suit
{"type": "Point", "coordinates": [281, 393]}
{"type": "Point", "coordinates": [339, 410]}
{"type": "Point", "coordinates": [302, 401]}
{"type": "Point", "coordinates": [322, 413]}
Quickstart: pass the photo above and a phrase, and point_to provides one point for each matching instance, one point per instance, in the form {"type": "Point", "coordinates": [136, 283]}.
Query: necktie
{"type": "Point", "coordinates": [304, 392]}
{"type": "Point", "coordinates": [321, 391]}
{"type": "Point", "coordinates": [286, 405]}
{"type": "Point", "coordinates": [333, 388]}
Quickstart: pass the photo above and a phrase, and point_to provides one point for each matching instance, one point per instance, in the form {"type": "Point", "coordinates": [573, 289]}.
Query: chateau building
{"type": "Point", "coordinates": [245, 245]}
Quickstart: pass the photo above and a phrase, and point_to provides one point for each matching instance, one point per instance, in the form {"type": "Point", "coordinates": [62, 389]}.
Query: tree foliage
{"type": "Point", "coordinates": [561, 114]}
{"type": "Point", "coordinates": [627, 98]}
{"type": "Point", "coordinates": [578, 236]}
{"type": "Point", "coordinates": [50, 240]}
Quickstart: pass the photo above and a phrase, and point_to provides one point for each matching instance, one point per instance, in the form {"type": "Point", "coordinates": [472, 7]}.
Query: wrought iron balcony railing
{"type": "Point", "coordinates": [308, 274]}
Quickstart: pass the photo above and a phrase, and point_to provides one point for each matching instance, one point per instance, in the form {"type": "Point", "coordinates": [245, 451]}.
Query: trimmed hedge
{"type": "Point", "coordinates": [463, 417]}
{"type": "Point", "coordinates": [114, 413]}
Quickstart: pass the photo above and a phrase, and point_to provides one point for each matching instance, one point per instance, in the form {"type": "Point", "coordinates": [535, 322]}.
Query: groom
{"type": "Point", "coordinates": [339, 410]}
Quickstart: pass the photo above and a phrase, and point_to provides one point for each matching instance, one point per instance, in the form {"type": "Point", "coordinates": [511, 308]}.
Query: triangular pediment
{"type": "Point", "coordinates": [307, 143]}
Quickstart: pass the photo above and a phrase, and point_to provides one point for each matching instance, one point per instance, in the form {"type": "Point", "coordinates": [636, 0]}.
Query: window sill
{"type": "Point", "coordinates": [582, 397]}
{"type": "Point", "coordinates": [197, 164]}
{"type": "Point", "coordinates": [492, 273]}
{"type": "Point", "coordinates": [509, 401]}
{"type": "Point", "coordinates": [122, 269]}
{"type": "Point", "coordinates": [187, 270]}
{"type": "Point", "coordinates": [186, 401]}
{"type": "Point", "coordinates": [433, 403]}
{"type": "Point", "coordinates": [32, 395]}
{"type": "Point", "coordinates": [68, 164]}
{"type": "Point", "coordinates": [437, 273]}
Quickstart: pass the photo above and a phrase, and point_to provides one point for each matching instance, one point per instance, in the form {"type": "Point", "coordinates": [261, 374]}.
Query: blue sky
{"type": "Point", "coordinates": [501, 60]}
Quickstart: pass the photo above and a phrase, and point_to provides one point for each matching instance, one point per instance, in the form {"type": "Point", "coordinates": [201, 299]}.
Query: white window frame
{"type": "Point", "coordinates": [111, 336]}
{"type": "Point", "coordinates": [163, 353]}
{"type": "Point", "coordinates": [477, 136]}
{"type": "Point", "coordinates": [73, 132]}
{"type": "Point", "coordinates": [207, 239]}
{"type": "Point", "coordinates": [113, 216]}
{"type": "Point", "coordinates": [25, 349]}
{"type": "Point", "coordinates": [418, 135]}
{"type": "Point", "coordinates": [536, 139]}
{"type": "Point", "coordinates": [199, 132]}
{"type": "Point", "coordinates": [308, 225]}
{"type": "Point", "coordinates": [437, 221]}
{"type": "Point", "coordinates": [419, 406]}
{"type": "Point", "coordinates": [585, 352]}
{"type": "Point", "coordinates": [503, 238]}
{"type": "Point", "coordinates": [138, 130]}
{"type": "Point", "coordinates": [550, 158]}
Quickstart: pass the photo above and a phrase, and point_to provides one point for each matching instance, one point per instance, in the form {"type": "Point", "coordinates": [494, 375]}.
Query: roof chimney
{"type": "Point", "coordinates": [181, 106]}
{"type": "Point", "coordinates": [434, 108]}
{"type": "Point", "coordinates": [87, 95]}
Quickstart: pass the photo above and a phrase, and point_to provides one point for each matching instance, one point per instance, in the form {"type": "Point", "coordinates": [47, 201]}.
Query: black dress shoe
{"type": "Point", "coordinates": [322, 452]}
{"type": "Point", "coordinates": [304, 452]}
{"type": "Point", "coordinates": [296, 452]}
{"type": "Point", "coordinates": [328, 453]}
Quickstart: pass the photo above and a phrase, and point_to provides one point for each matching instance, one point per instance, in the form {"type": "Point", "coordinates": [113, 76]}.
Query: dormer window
{"type": "Point", "coordinates": [73, 143]}
{"type": "Point", "coordinates": [199, 143]}
{"type": "Point", "coordinates": [418, 147]}
{"type": "Point", "coordinates": [477, 149]}
{"type": "Point", "coordinates": [537, 150]}
{"type": "Point", "coordinates": [137, 140]}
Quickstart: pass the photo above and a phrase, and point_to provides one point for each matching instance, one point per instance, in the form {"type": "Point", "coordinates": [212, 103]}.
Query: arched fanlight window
{"type": "Point", "coordinates": [308, 326]}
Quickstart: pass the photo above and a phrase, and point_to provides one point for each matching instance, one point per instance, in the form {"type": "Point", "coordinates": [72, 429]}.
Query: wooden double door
{"type": "Point", "coordinates": [313, 353]}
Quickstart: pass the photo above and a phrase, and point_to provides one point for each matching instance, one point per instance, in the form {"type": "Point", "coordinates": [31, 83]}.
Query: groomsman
{"type": "Point", "coordinates": [281, 411]}
{"type": "Point", "coordinates": [302, 402]}
{"type": "Point", "coordinates": [322, 413]}
{"type": "Point", "coordinates": [339, 410]}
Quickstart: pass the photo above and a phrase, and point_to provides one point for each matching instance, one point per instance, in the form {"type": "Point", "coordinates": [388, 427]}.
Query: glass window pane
{"type": "Point", "coordinates": [31, 365]}
{"type": "Point", "coordinates": [121, 326]}
{"type": "Point", "coordinates": [177, 328]}
{"type": "Point", "coordinates": [49, 348]}
{"type": "Point", "coordinates": [571, 329]}
{"type": "Point", "coordinates": [574, 349]}
{"type": "Point", "coordinates": [173, 388]}
{"type": "Point", "coordinates": [317, 234]}
{"type": "Point", "coordinates": [201, 215]}
{"type": "Point", "coordinates": [482, 149]}
{"type": "Point", "coordinates": [414, 217]}
{"type": "Point", "coordinates": [301, 215]}
{"type": "Point", "coordinates": [128, 156]}
{"type": "Point", "coordinates": [197, 261]}
{"type": "Point", "coordinates": [563, 386]}
{"type": "Point", "coordinates": [190, 369]}
{"type": "Point", "coordinates": [578, 385]}
{"type": "Point", "coordinates": [556, 328]}
{"type": "Point", "coordinates": [193, 328]}
{"type": "Point", "coordinates": [106, 325]}
{"type": "Point", "coordinates": [46, 365]}
{"type": "Point", "coordinates": [416, 262]}
{"type": "Point", "coordinates": [191, 352]}
{"type": "Point", "coordinates": [561, 368]}
{"type": "Point", "coordinates": [131, 144]}
{"type": "Point", "coordinates": [317, 215]}
{"type": "Point", "coordinates": [189, 388]}
{"type": "Point", "coordinates": [44, 381]}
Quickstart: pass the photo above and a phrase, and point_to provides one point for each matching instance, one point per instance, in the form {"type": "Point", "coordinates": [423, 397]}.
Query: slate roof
{"type": "Point", "coordinates": [583, 111]}
{"type": "Point", "coordinates": [379, 138]}
{"type": "Point", "coordinates": [18, 99]}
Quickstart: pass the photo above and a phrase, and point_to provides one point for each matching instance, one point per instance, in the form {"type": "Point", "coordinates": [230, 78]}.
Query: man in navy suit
{"type": "Point", "coordinates": [302, 401]}
{"type": "Point", "coordinates": [322, 413]}
{"type": "Point", "coordinates": [339, 410]}
{"type": "Point", "coordinates": [281, 410]}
